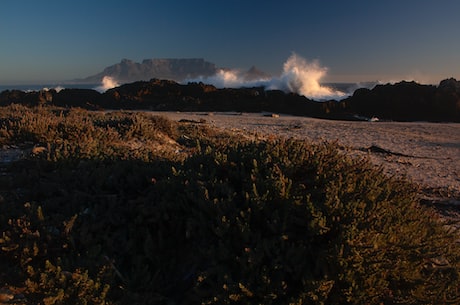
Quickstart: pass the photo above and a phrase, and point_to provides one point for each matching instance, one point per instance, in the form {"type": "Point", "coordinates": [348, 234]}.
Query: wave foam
{"type": "Point", "coordinates": [298, 76]}
{"type": "Point", "coordinates": [106, 84]}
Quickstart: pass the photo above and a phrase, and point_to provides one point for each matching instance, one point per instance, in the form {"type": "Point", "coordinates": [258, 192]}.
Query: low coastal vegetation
{"type": "Point", "coordinates": [130, 208]}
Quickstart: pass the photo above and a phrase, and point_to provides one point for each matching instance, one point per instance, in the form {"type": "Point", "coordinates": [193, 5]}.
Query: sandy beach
{"type": "Point", "coordinates": [427, 153]}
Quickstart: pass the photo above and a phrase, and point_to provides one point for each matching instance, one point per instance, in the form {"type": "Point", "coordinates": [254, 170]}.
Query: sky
{"type": "Point", "coordinates": [356, 41]}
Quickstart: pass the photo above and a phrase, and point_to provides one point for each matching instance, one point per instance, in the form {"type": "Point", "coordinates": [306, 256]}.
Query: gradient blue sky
{"type": "Point", "coordinates": [51, 41]}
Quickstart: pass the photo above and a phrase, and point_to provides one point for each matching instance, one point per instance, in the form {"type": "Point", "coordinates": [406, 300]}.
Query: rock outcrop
{"type": "Point", "coordinates": [447, 100]}
{"type": "Point", "coordinates": [163, 95]}
{"type": "Point", "coordinates": [404, 101]}
{"type": "Point", "coordinates": [408, 101]}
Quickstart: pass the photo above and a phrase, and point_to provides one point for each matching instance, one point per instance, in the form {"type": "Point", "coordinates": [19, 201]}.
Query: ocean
{"type": "Point", "coordinates": [28, 88]}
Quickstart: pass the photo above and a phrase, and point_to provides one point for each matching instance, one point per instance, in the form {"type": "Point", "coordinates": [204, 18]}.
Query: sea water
{"type": "Point", "coordinates": [38, 87]}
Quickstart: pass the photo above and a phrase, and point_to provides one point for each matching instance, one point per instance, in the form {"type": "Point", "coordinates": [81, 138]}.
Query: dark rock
{"type": "Point", "coordinates": [8, 97]}
{"type": "Point", "coordinates": [85, 98]}
{"type": "Point", "coordinates": [447, 100]}
{"type": "Point", "coordinates": [46, 96]}
{"type": "Point", "coordinates": [407, 101]}
{"type": "Point", "coordinates": [32, 98]}
{"type": "Point", "coordinates": [168, 95]}
{"type": "Point", "coordinates": [404, 101]}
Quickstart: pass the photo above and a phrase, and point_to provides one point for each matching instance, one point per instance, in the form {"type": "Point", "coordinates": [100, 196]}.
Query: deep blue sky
{"type": "Point", "coordinates": [43, 41]}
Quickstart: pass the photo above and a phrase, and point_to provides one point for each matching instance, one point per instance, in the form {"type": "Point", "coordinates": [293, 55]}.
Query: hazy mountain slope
{"type": "Point", "coordinates": [176, 69]}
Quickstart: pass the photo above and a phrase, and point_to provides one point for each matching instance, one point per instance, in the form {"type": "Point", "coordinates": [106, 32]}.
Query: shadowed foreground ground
{"type": "Point", "coordinates": [131, 208]}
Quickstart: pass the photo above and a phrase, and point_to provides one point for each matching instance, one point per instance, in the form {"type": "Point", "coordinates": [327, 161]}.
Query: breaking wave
{"type": "Point", "coordinates": [298, 76]}
{"type": "Point", "coordinates": [106, 84]}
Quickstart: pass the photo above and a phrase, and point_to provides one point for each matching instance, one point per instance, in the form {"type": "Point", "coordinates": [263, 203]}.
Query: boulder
{"type": "Point", "coordinates": [447, 100]}
{"type": "Point", "coordinates": [85, 98]}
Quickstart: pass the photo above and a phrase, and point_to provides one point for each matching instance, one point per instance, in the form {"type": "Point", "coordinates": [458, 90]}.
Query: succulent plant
{"type": "Point", "coordinates": [224, 221]}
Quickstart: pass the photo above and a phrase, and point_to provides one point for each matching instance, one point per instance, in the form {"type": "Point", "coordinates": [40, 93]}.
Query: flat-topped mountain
{"type": "Point", "coordinates": [176, 69]}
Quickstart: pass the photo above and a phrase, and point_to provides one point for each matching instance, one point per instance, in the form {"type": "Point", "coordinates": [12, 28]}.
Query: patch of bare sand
{"type": "Point", "coordinates": [427, 153]}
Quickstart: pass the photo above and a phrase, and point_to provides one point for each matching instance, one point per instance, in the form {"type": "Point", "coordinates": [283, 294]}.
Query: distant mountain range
{"type": "Point", "coordinates": [177, 69]}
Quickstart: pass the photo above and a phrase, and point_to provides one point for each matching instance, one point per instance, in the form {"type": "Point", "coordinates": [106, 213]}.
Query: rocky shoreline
{"type": "Point", "coordinates": [403, 101]}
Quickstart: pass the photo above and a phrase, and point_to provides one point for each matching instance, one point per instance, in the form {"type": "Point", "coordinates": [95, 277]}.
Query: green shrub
{"type": "Point", "coordinates": [276, 222]}
{"type": "Point", "coordinates": [29, 243]}
{"type": "Point", "coordinates": [297, 224]}
{"type": "Point", "coordinates": [75, 133]}
{"type": "Point", "coordinates": [54, 286]}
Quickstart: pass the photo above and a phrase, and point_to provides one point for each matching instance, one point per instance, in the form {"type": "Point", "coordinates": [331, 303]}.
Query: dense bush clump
{"type": "Point", "coordinates": [275, 222]}
{"type": "Point", "coordinates": [74, 133]}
